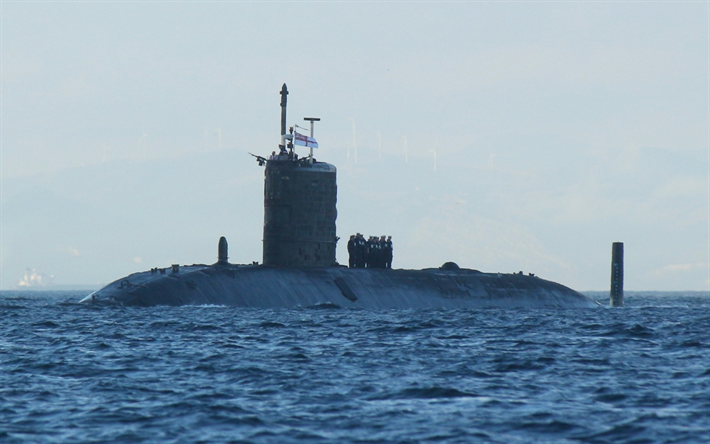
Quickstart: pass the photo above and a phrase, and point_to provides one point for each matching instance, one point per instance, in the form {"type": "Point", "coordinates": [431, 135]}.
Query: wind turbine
{"type": "Point", "coordinates": [354, 142]}
{"type": "Point", "coordinates": [491, 156]}
{"type": "Point", "coordinates": [141, 142]}
{"type": "Point", "coordinates": [379, 145]}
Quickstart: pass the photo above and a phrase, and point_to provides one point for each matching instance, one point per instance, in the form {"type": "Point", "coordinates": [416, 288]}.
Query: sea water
{"type": "Point", "coordinates": [75, 373]}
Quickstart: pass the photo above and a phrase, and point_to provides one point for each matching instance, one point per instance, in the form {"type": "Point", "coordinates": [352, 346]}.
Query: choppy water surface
{"type": "Point", "coordinates": [76, 373]}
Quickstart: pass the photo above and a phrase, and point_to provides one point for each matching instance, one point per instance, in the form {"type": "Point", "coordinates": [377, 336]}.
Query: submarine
{"type": "Point", "coordinates": [299, 267]}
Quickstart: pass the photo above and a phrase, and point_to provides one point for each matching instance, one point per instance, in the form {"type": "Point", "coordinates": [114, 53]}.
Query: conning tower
{"type": "Point", "coordinates": [299, 206]}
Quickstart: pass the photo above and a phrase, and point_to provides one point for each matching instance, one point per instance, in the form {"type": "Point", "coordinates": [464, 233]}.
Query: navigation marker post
{"type": "Point", "coordinates": [616, 295]}
{"type": "Point", "coordinates": [311, 119]}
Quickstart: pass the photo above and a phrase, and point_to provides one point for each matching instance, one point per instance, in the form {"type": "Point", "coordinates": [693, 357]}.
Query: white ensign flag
{"type": "Point", "coordinates": [301, 139]}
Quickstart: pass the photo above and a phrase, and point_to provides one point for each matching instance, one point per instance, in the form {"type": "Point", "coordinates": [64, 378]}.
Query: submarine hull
{"type": "Point", "coordinates": [290, 287]}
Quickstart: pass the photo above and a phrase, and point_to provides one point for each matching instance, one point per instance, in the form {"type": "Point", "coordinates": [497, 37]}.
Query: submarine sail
{"type": "Point", "coordinates": [299, 214]}
{"type": "Point", "coordinates": [300, 197]}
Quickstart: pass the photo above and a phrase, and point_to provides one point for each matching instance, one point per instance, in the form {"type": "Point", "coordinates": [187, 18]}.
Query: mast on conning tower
{"type": "Point", "coordinates": [311, 119]}
{"type": "Point", "coordinates": [284, 93]}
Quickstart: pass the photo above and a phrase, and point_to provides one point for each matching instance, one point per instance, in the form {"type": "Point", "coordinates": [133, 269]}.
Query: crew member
{"type": "Point", "coordinates": [371, 254]}
{"type": "Point", "coordinates": [360, 250]}
{"type": "Point", "coordinates": [382, 260]}
{"type": "Point", "coordinates": [379, 254]}
{"type": "Point", "coordinates": [351, 251]}
{"type": "Point", "coordinates": [388, 252]}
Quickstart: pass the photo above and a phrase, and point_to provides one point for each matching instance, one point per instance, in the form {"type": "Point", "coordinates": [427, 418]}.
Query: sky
{"type": "Point", "coordinates": [504, 136]}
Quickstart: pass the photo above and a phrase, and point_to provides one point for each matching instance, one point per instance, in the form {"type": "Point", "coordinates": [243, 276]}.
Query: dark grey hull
{"type": "Point", "coordinates": [279, 287]}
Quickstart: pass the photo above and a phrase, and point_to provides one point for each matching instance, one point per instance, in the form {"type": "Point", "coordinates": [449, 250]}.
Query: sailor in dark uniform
{"type": "Point", "coordinates": [351, 252]}
{"type": "Point", "coordinates": [360, 251]}
{"type": "Point", "coordinates": [381, 252]}
{"type": "Point", "coordinates": [375, 252]}
{"type": "Point", "coordinates": [382, 260]}
{"type": "Point", "coordinates": [366, 250]}
{"type": "Point", "coordinates": [370, 252]}
{"type": "Point", "coordinates": [388, 252]}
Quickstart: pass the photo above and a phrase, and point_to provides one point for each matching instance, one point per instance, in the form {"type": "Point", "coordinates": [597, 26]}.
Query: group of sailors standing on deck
{"type": "Point", "coordinates": [283, 155]}
{"type": "Point", "coordinates": [371, 253]}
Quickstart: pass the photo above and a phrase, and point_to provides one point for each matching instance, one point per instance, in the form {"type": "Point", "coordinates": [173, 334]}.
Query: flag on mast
{"type": "Point", "coordinates": [302, 139]}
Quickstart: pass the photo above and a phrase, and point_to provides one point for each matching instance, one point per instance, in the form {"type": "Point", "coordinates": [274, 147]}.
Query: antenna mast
{"type": "Point", "coordinates": [284, 93]}
{"type": "Point", "coordinates": [311, 119]}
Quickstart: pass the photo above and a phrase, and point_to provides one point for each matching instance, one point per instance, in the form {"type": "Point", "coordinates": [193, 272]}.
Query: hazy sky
{"type": "Point", "coordinates": [504, 136]}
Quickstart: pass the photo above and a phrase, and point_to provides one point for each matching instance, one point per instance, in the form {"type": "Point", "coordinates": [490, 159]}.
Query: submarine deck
{"type": "Point", "coordinates": [288, 287]}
